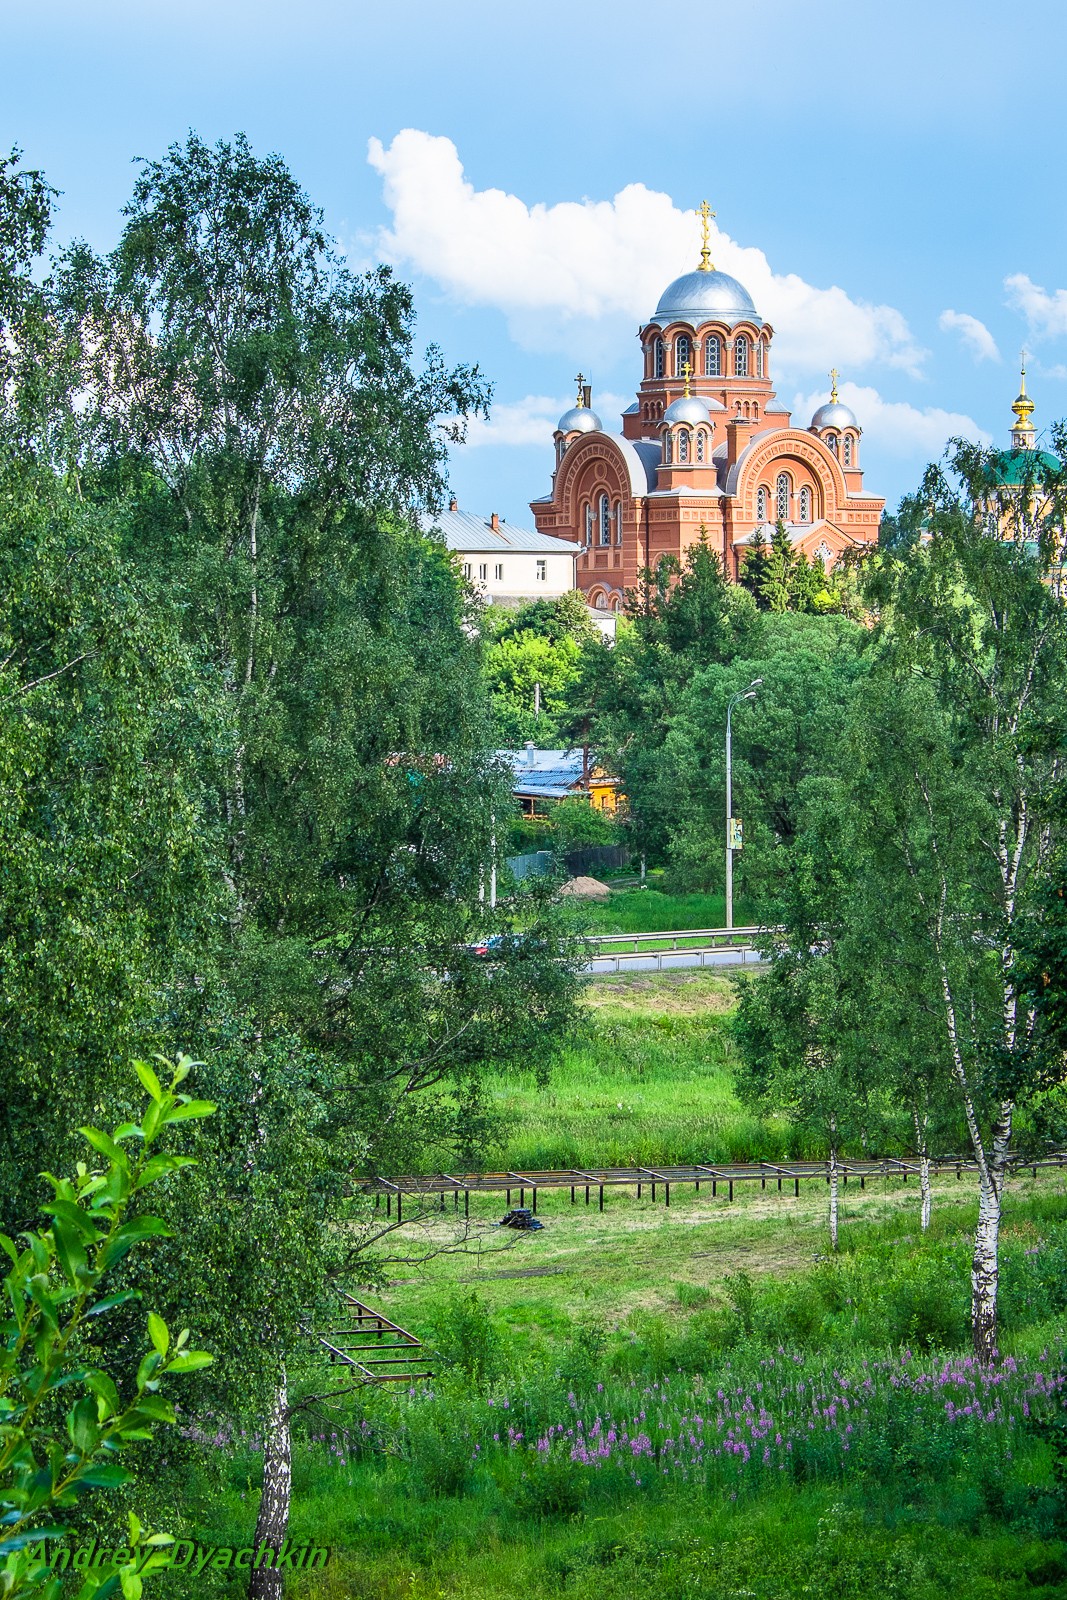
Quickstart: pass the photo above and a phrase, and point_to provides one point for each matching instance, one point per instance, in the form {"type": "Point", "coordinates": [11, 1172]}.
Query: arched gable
{"type": "Point", "coordinates": [599, 463]}
{"type": "Point", "coordinates": [767, 451]}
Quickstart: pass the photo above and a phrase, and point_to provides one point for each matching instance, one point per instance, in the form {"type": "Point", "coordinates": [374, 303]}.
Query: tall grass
{"type": "Point", "coordinates": [653, 911]}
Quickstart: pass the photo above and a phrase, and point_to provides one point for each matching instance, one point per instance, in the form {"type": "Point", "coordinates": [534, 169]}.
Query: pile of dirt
{"type": "Point", "coordinates": [586, 888]}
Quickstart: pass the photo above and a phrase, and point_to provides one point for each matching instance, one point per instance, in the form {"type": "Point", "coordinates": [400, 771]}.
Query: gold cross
{"type": "Point", "coordinates": [686, 370]}
{"type": "Point", "coordinates": [705, 214]}
{"type": "Point", "coordinates": [580, 381]}
{"type": "Point", "coordinates": [834, 375]}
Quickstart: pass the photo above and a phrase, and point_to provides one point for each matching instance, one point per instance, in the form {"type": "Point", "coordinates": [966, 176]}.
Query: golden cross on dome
{"type": "Point", "coordinates": [834, 375]}
{"type": "Point", "coordinates": [580, 381]}
{"type": "Point", "coordinates": [705, 214]}
{"type": "Point", "coordinates": [686, 370]}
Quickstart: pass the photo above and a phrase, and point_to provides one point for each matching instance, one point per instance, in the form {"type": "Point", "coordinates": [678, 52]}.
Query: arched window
{"type": "Point", "coordinates": [782, 497]}
{"type": "Point", "coordinates": [683, 352]}
{"type": "Point", "coordinates": [831, 442]}
{"type": "Point", "coordinates": [712, 356]}
{"type": "Point", "coordinates": [604, 508]}
{"type": "Point", "coordinates": [659, 359]}
{"type": "Point", "coordinates": [759, 357]}
{"type": "Point", "coordinates": [667, 451]}
{"type": "Point", "coordinates": [618, 522]}
{"type": "Point", "coordinates": [588, 522]}
{"type": "Point", "coordinates": [761, 503]}
{"type": "Point", "coordinates": [846, 450]}
{"type": "Point", "coordinates": [701, 444]}
{"type": "Point", "coordinates": [805, 505]}
{"type": "Point", "coordinates": [740, 356]}
{"type": "Point", "coordinates": [683, 446]}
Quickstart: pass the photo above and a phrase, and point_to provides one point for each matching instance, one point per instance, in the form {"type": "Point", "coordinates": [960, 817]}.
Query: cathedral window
{"type": "Point", "coordinates": [701, 448]}
{"type": "Point", "coordinates": [659, 359]}
{"type": "Point", "coordinates": [667, 452]}
{"type": "Point", "coordinates": [782, 497]}
{"type": "Point", "coordinates": [740, 356]}
{"type": "Point", "coordinates": [761, 503]}
{"type": "Point", "coordinates": [588, 522]}
{"type": "Point", "coordinates": [805, 505]}
{"type": "Point", "coordinates": [846, 450]}
{"type": "Point", "coordinates": [682, 354]}
{"type": "Point", "coordinates": [605, 519]}
{"type": "Point", "coordinates": [712, 356]}
{"type": "Point", "coordinates": [618, 522]}
{"type": "Point", "coordinates": [683, 446]}
{"type": "Point", "coordinates": [759, 358]}
{"type": "Point", "coordinates": [831, 442]}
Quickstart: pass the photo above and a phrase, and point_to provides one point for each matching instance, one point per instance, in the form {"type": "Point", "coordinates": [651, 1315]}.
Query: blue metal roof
{"type": "Point", "coordinates": [469, 534]}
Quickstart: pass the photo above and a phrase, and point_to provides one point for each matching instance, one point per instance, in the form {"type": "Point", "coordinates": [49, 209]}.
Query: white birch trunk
{"type": "Point", "coordinates": [272, 1523]}
{"type": "Point", "coordinates": [985, 1263]}
{"type": "Point", "coordinates": [922, 1150]}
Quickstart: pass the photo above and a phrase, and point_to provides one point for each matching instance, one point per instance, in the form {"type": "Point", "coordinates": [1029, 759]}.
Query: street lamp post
{"type": "Point", "coordinates": [742, 694]}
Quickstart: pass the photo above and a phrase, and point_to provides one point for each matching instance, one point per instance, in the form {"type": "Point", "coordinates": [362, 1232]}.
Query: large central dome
{"type": "Point", "coordinates": [706, 297]}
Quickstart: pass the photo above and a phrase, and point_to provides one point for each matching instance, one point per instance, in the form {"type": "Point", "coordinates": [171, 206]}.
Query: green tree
{"type": "Point", "coordinates": [258, 410]}
{"type": "Point", "coordinates": [53, 1290]}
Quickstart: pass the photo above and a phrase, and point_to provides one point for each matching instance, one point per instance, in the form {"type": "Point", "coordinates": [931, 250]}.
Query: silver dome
{"type": "Point", "coordinates": [834, 415]}
{"type": "Point", "coordinates": [688, 408]}
{"type": "Point", "coordinates": [706, 297]}
{"type": "Point", "coordinates": [579, 419]}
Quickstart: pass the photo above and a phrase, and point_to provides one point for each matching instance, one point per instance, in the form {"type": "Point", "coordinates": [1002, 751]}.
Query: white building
{"type": "Point", "coordinates": [506, 564]}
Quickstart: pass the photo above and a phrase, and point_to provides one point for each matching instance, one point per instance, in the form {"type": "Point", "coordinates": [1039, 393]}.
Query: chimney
{"type": "Point", "coordinates": [736, 431]}
{"type": "Point", "coordinates": [529, 752]}
{"type": "Point", "coordinates": [494, 522]}
{"type": "Point", "coordinates": [453, 504]}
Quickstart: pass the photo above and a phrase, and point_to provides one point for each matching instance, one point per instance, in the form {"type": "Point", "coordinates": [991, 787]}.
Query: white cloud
{"type": "Point", "coordinates": [974, 334]}
{"type": "Point", "coordinates": [894, 426]}
{"type": "Point", "coordinates": [532, 420]}
{"type": "Point", "coordinates": [548, 266]}
{"type": "Point", "coordinates": [1046, 313]}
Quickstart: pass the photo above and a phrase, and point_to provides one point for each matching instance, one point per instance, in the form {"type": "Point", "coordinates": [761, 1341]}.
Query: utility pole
{"type": "Point", "coordinates": [742, 694]}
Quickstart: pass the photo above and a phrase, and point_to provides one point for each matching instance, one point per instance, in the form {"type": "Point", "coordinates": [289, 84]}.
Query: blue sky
{"type": "Point", "coordinates": [886, 180]}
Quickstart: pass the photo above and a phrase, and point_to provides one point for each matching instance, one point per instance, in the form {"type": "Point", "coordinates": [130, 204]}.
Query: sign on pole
{"type": "Point", "coordinates": [734, 834]}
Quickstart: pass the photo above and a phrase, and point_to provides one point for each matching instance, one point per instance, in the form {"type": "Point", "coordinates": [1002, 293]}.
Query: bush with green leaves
{"type": "Point", "coordinates": [53, 1453]}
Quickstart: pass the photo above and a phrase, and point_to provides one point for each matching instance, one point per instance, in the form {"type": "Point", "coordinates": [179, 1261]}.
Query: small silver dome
{"type": "Point", "coordinates": [687, 408]}
{"type": "Point", "coordinates": [698, 297]}
{"type": "Point", "coordinates": [579, 419]}
{"type": "Point", "coordinates": [834, 414]}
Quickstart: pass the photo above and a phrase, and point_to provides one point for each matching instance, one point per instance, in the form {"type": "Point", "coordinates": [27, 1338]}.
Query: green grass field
{"type": "Point", "coordinates": [651, 1082]}
{"type": "Point", "coordinates": [654, 911]}
{"type": "Point", "coordinates": [507, 1475]}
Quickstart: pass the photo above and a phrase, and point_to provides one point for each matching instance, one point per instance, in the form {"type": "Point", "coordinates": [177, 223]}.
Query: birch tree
{"type": "Point", "coordinates": [957, 790]}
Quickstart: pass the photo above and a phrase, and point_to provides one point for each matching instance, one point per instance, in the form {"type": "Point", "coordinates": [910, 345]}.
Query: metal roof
{"type": "Point", "coordinates": [464, 532]}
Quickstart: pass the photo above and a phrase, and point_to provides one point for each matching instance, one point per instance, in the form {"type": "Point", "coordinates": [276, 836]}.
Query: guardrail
{"type": "Point", "coordinates": [674, 948]}
{"type": "Point", "coordinates": [670, 938]}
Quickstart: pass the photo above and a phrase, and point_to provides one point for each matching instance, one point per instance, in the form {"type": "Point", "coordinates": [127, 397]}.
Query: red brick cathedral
{"type": "Point", "coordinates": [706, 444]}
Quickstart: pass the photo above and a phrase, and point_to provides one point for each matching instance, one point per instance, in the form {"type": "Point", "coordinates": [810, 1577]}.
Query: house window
{"type": "Point", "coordinates": [741, 356]}
{"type": "Point", "coordinates": [659, 359]}
{"type": "Point", "coordinates": [761, 503]}
{"type": "Point", "coordinates": [542, 571]}
{"type": "Point", "coordinates": [683, 446]}
{"type": "Point", "coordinates": [618, 522]}
{"type": "Point", "coordinates": [483, 570]}
{"type": "Point", "coordinates": [467, 569]}
{"type": "Point", "coordinates": [805, 505]}
{"type": "Point", "coordinates": [712, 356]}
{"type": "Point", "coordinates": [682, 354]}
{"type": "Point", "coordinates": [782, 496]}
{"type": "Point", "coordinates": [605, 520]}
{"type": "Point", "coordinates": [846, 450]}
{"type": "Point", "coordinates": [498, 572]}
